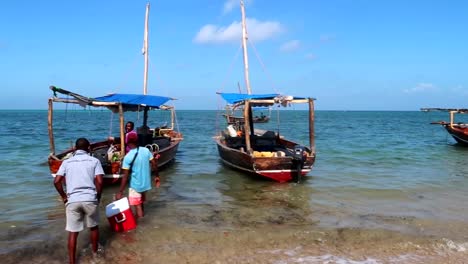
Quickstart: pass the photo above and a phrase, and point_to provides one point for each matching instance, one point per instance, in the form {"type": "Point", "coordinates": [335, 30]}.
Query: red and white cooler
{"type": "Point", "coordinates": [120, 216]}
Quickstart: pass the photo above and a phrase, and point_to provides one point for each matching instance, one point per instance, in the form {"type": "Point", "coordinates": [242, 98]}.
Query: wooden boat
{"type": "Point", "coordinates": [263, 153]}
{"type": "Point", "coordinates": [231, 118]}
{"type": "Point", "coordinates": [458, 130]}
{"type": "Point", "coordinates": [160, 140]}
{"type": "Point", "coordinates": [261, 119]}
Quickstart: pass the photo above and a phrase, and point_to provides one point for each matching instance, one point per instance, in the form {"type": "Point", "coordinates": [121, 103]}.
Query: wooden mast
{"type": "Point", "coordinates": [248, 123]}
{"type": "Point", "coordinates": [145, 53]}
{"type": "Point", "coordinates": [244, 48]}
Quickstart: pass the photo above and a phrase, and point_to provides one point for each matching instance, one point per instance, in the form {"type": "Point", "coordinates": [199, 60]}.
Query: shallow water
{"type": "Point", "coordinates": [387, 187]}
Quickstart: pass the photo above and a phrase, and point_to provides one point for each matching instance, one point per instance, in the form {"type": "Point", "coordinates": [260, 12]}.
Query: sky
{"type": "Point", "coordinates": [348, 54]}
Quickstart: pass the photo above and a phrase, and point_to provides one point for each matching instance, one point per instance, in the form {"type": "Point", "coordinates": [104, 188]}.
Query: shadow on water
{"type": "Point", "coordinates": [249, 201]}
{"type": "Point", "coordinates": [226, 199]}
{"type": "Point", "coordinates": [47, 243]}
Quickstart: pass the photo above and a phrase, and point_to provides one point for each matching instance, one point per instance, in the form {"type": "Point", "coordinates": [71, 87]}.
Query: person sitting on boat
{"type": "Point", "coordinates": [129, 129]}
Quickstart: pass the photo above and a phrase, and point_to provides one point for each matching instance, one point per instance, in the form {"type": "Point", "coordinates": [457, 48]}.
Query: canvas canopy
{"type": "Point", "coordinates": [135, 99]}
{"type": "Point", "coordinates": [130, 102]}
{"type": "Point", "coordinates": [234, 98]}
{"type": "Point", "coordinates": [237, 99]}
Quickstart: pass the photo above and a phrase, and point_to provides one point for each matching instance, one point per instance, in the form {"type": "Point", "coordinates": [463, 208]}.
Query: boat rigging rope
{"type": "Point", "coordinates": [158, 78]}
{"type": "Point", "coordinates": [223, 83]}
{"type": "Point", "coordinates": [126, 75]}
{"type": "Point", "coordinates": [263, 67]}
{"type": "Point", "coordinates": [66, 109]}
{"type": "Point", "coordinates": [175, 120]}
{"type": "Point", "coordinates": [110, 125]}
{"type": "Point", "coordinates": [138, 113]}
{"type": "Point", "coordinates": [278, 120]}
{"type": "Point", "coordinates": [231, 67]}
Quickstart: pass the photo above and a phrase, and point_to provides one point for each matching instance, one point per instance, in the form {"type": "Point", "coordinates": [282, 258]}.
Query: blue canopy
{"type": "Point", "coordinates": [135, 99]}
{"type": "Point", "coordinates": [233, 98]}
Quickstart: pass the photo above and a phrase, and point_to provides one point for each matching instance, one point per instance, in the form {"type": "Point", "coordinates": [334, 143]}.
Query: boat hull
{"type": "Point", "coordinates": [112, 174]}
{"type": "Point", "coordinates": [459, 133]}
{"type": "Point", "coordinates": [277, 168]}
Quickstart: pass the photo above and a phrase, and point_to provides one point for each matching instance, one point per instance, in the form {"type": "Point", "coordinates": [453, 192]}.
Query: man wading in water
{"type": "Point", "coordinates": [83, 178]}
{"type": "Point", "coordinates": [137, 165]}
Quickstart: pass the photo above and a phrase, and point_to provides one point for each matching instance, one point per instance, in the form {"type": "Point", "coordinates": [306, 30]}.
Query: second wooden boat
{"type": "Point", "coordinates": [263, 153]}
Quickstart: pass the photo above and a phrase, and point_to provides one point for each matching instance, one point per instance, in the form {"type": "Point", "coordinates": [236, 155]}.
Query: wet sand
{"type": "Point", "coordinates": [267, 245]}
{"type": "Point", "coordinates": [207, 234]}
{"type": "Point", "coordinates": [273, 225]}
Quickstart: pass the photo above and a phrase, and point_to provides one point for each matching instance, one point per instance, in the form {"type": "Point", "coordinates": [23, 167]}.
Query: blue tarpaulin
{"type": "Point", "coordinates": [233, 98]}
{"type": "Point", "coordinates": [135, 99]}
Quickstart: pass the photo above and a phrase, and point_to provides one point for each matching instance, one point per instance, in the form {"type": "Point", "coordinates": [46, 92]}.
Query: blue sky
{"type": "Point", "coordinates": [349, 54]}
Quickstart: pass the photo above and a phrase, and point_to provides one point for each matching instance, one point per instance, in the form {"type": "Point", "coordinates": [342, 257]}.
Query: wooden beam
{"type": "Point", "coordinates": [459, 110]}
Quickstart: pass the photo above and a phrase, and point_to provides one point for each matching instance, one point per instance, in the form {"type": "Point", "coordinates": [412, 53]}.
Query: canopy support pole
{"type": "Point", "coordinates": [122, 131]}
{"type": "Point", "coordinates": [311, 125]}
{"type": "Point", "coordinates": [247, 126]}
{"type": "Point", "coordinates": [452, 113]}
{"type": "Point", "coordinates": [145, 117]}
{"type": "Point", "coordinates": [172, 118]}
{"type": "Point", "coordinates": [50, 127]}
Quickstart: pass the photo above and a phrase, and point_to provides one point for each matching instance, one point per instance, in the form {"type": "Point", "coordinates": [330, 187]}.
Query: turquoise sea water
{"type": "Point", "coordinates": [386, 187]}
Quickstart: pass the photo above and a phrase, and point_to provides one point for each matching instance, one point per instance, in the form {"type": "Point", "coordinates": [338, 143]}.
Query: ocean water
{"type": "Point", "coordinates": [387, 187]}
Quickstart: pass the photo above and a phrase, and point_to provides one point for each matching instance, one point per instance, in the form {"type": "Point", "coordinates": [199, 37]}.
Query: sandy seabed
{"type": "Point", "coordinates": [204, 235]}
{"type": "Point", "coordinates": [276, 244]}
{"type": "Point", "coordinates": [165, 244]}
{"type": "Point", "coordinates": [168, 245]}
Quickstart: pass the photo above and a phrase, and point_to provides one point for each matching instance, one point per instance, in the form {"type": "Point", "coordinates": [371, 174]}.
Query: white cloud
{"type": "Point", "coordinates": [291, 46]}
{"type": "Point", "coordinates": [310, 56]}
{"type": "Point", "coordinates": [256, 30]}
{"type": "Point", "coordinates": [420, 87]}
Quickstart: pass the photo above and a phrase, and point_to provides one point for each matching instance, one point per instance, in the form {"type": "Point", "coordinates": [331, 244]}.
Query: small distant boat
{"type": "Point", "coordinates": [261, 119]}
{"type": "Point", "coordinates": [263, 153]}
{"type": "Point", "coordinates": [163, 140]}
{"type": "Point", "coordinates": [458, 130]}
{"type": "Point", "coordinates": [232, 119]}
